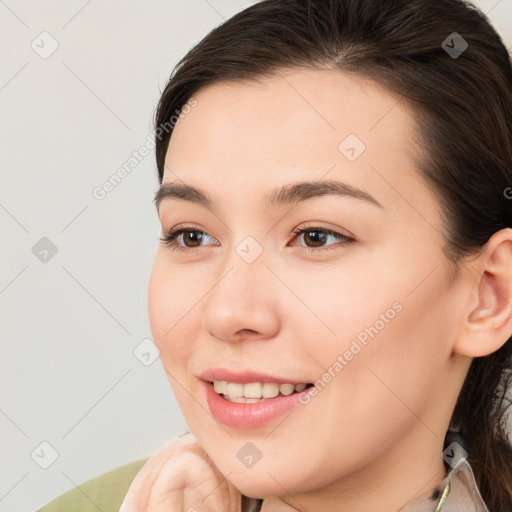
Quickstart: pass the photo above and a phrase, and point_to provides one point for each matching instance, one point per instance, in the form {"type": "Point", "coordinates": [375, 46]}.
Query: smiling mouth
{"type": "Point", "coordinates": [255, 391]}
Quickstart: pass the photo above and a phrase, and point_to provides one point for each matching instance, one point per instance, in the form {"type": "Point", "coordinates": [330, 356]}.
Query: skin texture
{"type": "Point", "coordinates": [372, 437]}
{"type": "Point", "coordinates": [180, 477]}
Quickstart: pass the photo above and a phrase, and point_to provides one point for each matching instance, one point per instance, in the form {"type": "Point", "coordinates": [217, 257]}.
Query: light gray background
{"type": "Point", "coordinates": [69, 376]}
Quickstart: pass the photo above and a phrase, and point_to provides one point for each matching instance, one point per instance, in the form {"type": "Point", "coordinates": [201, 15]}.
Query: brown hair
{"type": "Point", "coordinates": [463, 106]}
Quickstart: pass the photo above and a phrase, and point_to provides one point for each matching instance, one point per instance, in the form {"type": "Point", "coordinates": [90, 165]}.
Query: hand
{"type": "Point", "coordinates": [181, 477]}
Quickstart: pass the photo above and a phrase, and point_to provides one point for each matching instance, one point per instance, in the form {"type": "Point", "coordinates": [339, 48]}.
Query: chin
{"type": "Point", "coordinates": [260, 485]}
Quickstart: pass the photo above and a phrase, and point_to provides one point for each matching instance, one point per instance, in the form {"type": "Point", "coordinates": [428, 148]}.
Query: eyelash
{"type": "Point", "coordinates": [170, 238]}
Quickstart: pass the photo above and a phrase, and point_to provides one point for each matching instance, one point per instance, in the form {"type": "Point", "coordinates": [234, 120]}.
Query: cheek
{"type": "Point", "coordinates": [344, 307]}
{"type": "Point", "coordinates": [169, 317]}
{"type": "Point", "coordinates": [171, 313]}
{"type": "Point", "coordinates": [380, 351]}
{"type": "Point", "coordinates": [394, 371]}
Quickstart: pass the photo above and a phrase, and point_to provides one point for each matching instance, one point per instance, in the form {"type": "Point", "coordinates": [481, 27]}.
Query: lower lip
{"type": "Point", "coordinates": [249, 415]}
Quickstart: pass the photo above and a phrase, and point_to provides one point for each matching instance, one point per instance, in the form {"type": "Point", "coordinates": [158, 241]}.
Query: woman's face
{"type": "Point", "coordinates": [370, 320]}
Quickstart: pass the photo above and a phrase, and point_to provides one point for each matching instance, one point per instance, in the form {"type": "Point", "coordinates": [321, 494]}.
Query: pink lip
{"type": "Point", "coordinates": [245, 377]}
{"type": "Point", "coordinates": [250, 415]}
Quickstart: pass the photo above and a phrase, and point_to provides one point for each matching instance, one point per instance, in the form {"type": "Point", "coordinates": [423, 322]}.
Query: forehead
{"type": "Point", "coordinates": [253, 136]}
{"type": "Point", "coordinates": [297, 115]}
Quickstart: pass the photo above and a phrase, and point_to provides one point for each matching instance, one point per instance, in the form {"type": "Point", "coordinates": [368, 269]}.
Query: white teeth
{"type": "Point", "coordinates": [235, 390]}
{"type": "Point", "coordinates": [286, 389]}
{"type": "Point", "coordinates": [254, 391]}
{"type": "Point", "coordinates": [270, 390]}
{"type": "Point", "coordinates": [221, 386]}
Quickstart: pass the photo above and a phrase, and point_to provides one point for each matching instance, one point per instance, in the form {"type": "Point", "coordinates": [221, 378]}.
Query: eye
{"type": "Point", "coordinates": [317, 236]}
{"type": "Point", "coordinates": [191, 238]}
{"type": "Point", "coordinates": [188, 235]}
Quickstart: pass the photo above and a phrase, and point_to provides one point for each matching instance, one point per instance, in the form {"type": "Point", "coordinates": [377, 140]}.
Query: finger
{"type": "Point", "coordinates": [140, 488]}
{"type": "Point", "coordinates": [181, 472]}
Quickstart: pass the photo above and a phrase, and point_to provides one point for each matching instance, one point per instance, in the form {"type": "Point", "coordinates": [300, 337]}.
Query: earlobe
{"type": "Point", "coordinates": [489, 324]}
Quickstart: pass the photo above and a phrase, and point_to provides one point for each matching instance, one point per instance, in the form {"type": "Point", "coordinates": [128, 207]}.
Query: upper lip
{"type": "Point", "coordinates": [245, 377]}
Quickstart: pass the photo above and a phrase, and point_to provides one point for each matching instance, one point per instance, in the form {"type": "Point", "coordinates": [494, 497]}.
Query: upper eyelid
{"type": "Point", "coordinates": [298, 229]}
{"type": "Point", "coordinates": [309, 224]}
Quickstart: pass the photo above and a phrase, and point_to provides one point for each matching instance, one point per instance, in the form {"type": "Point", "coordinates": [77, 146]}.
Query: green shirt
{"type": "Point", "coordinates": [105, 493]}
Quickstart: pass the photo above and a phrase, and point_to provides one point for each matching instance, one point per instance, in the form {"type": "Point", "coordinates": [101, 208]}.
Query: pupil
{"type": "Point", "coordinates": [311, 234]}
{"type": "Point", "coordinates": [192, 234]}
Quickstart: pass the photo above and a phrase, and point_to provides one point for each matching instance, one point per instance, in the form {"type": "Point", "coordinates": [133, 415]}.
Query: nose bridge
{"type": "Point", "coordinates": [244, 264]}
{"type": "Point", "coordinates": [242, 298]}
{"type": "Point", "coordinates": [242, 274]}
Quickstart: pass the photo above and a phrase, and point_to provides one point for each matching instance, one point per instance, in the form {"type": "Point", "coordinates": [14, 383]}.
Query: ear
{"type": "Point", "coordinates": [488, 324]}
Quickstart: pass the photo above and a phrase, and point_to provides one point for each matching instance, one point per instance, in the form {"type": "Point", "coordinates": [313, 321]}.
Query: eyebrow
{"type": "Point", "coordinates": [294, 192]}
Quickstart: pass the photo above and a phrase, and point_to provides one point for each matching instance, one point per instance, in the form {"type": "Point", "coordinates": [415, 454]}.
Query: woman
{"type": "Point", "coordinates": [332, 296]}
{"type": "Point", "coordinates": [396, 117]}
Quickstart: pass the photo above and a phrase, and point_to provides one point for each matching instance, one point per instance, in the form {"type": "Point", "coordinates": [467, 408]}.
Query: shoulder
{"type": "Point", "coordinates": [105, 492]}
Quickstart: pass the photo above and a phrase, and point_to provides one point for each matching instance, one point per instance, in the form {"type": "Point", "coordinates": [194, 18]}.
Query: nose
{"type": "Point", "coordinates": [243, 304]}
